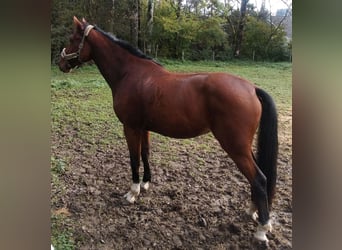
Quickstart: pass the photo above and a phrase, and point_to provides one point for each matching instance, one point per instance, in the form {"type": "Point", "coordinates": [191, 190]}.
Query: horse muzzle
{"type": "Point", "coordinates": [64, 66]}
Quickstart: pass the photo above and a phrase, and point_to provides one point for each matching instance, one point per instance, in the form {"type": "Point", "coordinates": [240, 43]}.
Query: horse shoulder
{"type": "Point", "coordinates": [127, 101]}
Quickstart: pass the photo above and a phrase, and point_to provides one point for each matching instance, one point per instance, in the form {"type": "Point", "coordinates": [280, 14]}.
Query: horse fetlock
{"type": "Point", "coordinates": [254, 216]}
{"type": "Point", "coordinates": [133, 194]}
{"type": "Point", "coordinates": [268, 226]}
{"type": "Point", "coordinates": [252, 211]}
{"type": "Point", "coordinates": [145, 185]}
{"type": "Point", "coordinates": [260, 234]}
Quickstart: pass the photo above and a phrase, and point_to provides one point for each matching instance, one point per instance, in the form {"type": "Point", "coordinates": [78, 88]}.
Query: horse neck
{"type": "Point", "coordinates": [110, 59]}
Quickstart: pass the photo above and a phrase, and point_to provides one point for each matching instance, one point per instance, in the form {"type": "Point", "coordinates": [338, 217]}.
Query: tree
{"type": "Point", "coordinates": [135, 22]}
{"type": "Point", "coordinates": [111, 20]}
{"type": "Point", "coordinates": [258, 46]}
{"type": "Point", "coordinates": [210, 38]}
{"type": "Point", "coordinates": [241, 26]}
{"type": "Point", "coordinates": [191, 29]}
{"type": "Point", "coordinates": [149, 24]}
{"type": "Point", "coordinates": [61, 25]}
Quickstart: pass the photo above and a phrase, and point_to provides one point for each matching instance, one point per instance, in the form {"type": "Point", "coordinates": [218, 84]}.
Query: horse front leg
{"type": "Point", "coordinates": [133, 138]}
{"type": "Point", "coordinates": [145, 153]}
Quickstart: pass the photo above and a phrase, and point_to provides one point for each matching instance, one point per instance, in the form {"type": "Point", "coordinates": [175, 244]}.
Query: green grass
{"type": "Point", "coordinates": [62, 237]}
{"type": "Point", "coordinates": [81, 108]}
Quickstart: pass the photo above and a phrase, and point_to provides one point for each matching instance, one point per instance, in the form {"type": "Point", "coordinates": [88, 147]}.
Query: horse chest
{"type": "Point", "coordinates": [127, 110]}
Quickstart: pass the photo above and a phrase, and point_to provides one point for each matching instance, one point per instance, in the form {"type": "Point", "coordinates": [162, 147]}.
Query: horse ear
{"type": "Point", "coordinates": [84, 21]}
{"type": "Point", "coordinates": [77, 24]}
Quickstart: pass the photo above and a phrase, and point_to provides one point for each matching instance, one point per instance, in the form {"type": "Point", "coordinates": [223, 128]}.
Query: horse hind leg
{"type": "Point", "coordinates": [259, 199]}
{"type": "Point", "coordinates": [255, 203]}
{"type": "Point", "coordinates": [239, 149]}
{"type": "Point", "coordinates": [145, 152]}
{"type": "Point", "coordinates": [252, 208]}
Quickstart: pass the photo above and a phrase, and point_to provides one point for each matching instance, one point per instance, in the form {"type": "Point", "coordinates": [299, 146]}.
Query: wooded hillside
{"type": "Point", "coordinates": [187, 30]}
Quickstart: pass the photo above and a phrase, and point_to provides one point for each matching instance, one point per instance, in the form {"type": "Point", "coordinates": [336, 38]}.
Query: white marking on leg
{"type": "Point", "coordinates": [133, 194]}
{"type": "Point", "coordinates": [262, 230]}
{"type": "Point", "coordinates": [145, 185]}
{"type": "Point", "coordinates": [252, 211]}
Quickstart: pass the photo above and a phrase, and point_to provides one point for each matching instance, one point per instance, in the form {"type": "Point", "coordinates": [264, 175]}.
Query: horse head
{"type": "Point", "coordinates": [78, 50]}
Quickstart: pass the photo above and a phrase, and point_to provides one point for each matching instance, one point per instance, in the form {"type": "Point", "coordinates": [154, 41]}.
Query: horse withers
{"type": "Point", "coordinates": [147, 97]}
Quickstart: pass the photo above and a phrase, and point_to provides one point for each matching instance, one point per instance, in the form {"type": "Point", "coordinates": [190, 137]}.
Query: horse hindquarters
{"type": "Point", "coordinates": [239, 147]}
{"type": "Point", "coordinates": [234, 128]}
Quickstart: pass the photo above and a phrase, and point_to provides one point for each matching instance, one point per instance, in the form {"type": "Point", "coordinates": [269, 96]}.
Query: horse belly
{"type": "Point", "coordinates": [176, 127]}
{"type": "Point", "coordinates": [180, 133]}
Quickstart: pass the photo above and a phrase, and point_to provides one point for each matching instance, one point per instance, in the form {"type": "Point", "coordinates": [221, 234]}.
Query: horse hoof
{"type": "Point", "coordinates": [262, 230]}
{"type": "Point", "coordinates": [258, 244]}
{"type": "Point", "coordinates": [131, 198]}
{"type": "Point", "coordinates": [145, 185]}
{"type": "Point", "coordinates": [133, 194]}
{"type": "Point", "coordinates": [261, 236]}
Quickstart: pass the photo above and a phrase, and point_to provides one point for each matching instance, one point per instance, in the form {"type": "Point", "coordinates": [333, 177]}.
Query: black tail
{"type": "Point", "coordinates": [268, 142]}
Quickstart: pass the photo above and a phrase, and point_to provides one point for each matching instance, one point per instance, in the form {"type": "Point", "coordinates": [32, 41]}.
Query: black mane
{"type": "Point", "coordinates": [125, 45]}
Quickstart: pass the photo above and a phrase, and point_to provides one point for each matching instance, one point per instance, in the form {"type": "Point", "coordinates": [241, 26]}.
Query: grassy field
{"type": "Point", "coordinates": [81, 103]}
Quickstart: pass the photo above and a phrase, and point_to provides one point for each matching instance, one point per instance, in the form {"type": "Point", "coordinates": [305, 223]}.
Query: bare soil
{"type": "Point", "coordinates": [197, 198]}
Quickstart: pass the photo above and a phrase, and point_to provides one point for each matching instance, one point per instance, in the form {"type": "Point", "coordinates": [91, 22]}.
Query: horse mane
{"type": "Point", "coordinates": [125, 45]}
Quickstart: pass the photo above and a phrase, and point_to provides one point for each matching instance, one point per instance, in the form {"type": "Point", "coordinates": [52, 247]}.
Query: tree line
{"type": "Point", "coordinates": [178, 29]}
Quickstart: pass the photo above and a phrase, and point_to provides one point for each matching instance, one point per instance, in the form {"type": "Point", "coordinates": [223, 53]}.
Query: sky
{"type": "Point", "coordinates": [272, 5]}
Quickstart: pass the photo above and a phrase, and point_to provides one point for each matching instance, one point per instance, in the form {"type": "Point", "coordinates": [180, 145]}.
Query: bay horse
{"type": "Point", "coordinates": [146, 97]}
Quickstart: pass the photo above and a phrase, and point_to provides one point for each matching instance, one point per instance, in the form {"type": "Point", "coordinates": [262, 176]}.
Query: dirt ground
{"type": "Point", "coordinates": [197, 198]}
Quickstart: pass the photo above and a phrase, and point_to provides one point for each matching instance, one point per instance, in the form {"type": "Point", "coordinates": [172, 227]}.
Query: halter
{"type": "Point", "coordinates": [77, 54]}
